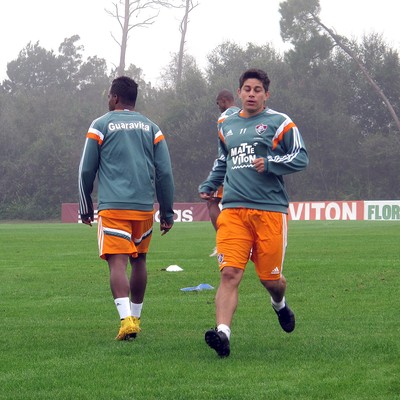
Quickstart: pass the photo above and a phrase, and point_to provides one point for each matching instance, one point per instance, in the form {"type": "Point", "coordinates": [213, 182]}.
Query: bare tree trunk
{"type": "Point", "coordinates": [133, 8]}
{"type": "Point", "coordinates": [189, 6]}
{"type": "Point", "coordinates": [124, 40]}
{"type": "Point", "coordinates": [370, 80]}
{"type": "Point", "coordinates": [183, 30]}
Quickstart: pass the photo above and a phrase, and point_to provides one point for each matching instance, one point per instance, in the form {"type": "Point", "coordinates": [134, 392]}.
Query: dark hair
{"type": "Point", "coordinates": [225, 94]}
{"type": "Point", "coordinates": [255, 73]}
{"type": "Point", "coordinates": [125, 88]}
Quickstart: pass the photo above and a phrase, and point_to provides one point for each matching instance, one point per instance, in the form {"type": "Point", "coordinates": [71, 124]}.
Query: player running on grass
{"type": "Point", "coordinates": [226, 105]}
{"type": "Point", "coordinates": [259, 147]}
{"type": "Point", "coordinates": [129, 154]}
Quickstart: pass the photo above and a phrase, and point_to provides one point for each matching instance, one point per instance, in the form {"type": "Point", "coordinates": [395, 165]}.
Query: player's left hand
{"type": "Point", "coordinates": [87, 220]}
{"type": "Point", "coordinates": [259, 165]}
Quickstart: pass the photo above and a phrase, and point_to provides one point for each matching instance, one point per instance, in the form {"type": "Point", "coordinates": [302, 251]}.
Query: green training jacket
{"type": "Point", "coordinates": [130, 157]}
{"type": "Point", "coordinates": [271, 135]}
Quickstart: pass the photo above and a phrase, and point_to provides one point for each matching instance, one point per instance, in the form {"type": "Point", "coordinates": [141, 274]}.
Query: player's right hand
{"type": "Point", "coordinates": [205, 195]}
{"type": "Point", "coordinates": [165, 226]}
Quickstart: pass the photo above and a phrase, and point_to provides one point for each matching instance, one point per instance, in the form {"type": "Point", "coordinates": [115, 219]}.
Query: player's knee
{"type": "Point", "coordinates": [231, 275]}
{"type": "Point", "coordinates": [275, 285]}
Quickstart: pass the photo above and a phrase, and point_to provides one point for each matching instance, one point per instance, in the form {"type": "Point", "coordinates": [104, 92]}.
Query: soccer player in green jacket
{"type": "Point", "coordinates": [257, 146]}
{"type": "Point", "coordinates": [129, 155]}
{"type": "Point", "coordinates": [226, 105]}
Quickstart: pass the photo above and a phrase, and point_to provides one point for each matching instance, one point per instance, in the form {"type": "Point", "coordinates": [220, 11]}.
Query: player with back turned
{"type": "Point", "coordinates": [259, 146]}
{"type": "Point", "coordinates": [129, 154]}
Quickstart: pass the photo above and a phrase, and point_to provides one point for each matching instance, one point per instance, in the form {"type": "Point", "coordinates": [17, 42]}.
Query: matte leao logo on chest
{"type": "Point", "coordinates": [242, 156]}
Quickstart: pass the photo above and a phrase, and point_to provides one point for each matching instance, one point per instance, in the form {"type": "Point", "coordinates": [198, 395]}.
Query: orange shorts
{"type": "Point", "coordinates": [259, 235]}
{"type": "Point", "coordinates": [124, 232]}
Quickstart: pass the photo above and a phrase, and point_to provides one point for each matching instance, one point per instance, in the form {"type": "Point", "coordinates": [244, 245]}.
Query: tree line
{"type": "Point", "coordinates": [50, 98]}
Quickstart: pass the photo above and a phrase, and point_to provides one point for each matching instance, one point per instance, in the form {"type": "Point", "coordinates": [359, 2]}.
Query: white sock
{"type": "Point", "coordinates": [136, 309]}
{"type": "Point", "coordinates": [224, 328]}
{"type": "Point", "coordinates": [123, 307]}
{"type": "Point", "coordinates": [280, 305]}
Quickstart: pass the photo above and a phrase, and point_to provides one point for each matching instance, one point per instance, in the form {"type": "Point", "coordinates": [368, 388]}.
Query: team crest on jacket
{"type": "Point", "coordinates": [261, 128]}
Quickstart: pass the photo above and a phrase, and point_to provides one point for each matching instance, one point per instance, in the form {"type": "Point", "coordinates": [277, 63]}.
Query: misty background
{"type": "Point", "coordinates": [342, 93]}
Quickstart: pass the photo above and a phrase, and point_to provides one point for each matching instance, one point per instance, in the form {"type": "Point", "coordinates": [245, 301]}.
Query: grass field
{"type": "Point", "coordinates": [58, 320]}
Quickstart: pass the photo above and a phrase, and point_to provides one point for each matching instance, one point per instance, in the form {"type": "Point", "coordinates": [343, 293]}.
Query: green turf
{"type": "Point", "coordinates": [58, 320]}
